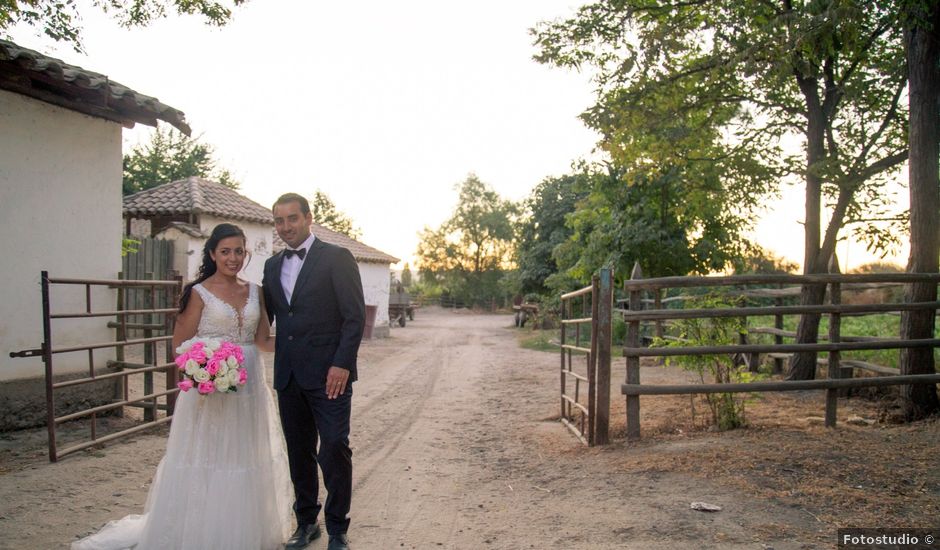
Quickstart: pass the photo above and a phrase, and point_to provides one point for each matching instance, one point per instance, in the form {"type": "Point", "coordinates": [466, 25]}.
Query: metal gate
{"type": "Point", "coordinates": [157, 320]}
{"type": "Point", "coordinates": [591, 307]}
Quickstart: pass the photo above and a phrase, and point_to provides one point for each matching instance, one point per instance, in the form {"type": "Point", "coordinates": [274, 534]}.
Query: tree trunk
{"type": "Point", "coordinates": [803, 365]}
{"type": "Point", "coordinates": [923, 59]}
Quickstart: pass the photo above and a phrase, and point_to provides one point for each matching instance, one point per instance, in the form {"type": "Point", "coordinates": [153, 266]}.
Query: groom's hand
{"type": "Point", "coordinates": [336, 379]}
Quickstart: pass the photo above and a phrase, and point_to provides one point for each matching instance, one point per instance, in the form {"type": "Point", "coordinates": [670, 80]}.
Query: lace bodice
{"type": "Point", "coordinates": [221, 320]}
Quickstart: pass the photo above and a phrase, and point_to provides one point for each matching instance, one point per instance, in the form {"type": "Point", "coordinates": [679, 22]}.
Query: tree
{"type": "Point", "coordinates": [406, 276]}
{"type": "Point", "coordinates": [171, 156]}
{"type": "Point", "coordinates": [60, 19]}
{"type": "Point", "coordinates": [723, 82]}
{"type": "Point", "coordinates": [543, 229]}
{"type": "Point", "coordinates": [470, 252]}
{"type": "Point", "coordinates": [922, 36]}
{"type": "Point", "coordinates": [671, 223]}
{"type": "Point", "coordinates": [326, 214]}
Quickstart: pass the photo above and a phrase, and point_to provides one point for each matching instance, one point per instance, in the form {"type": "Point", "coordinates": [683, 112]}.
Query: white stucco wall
{"type": "Point", "coordinates": [375, 279]}
{"type": "Point", "coordinates": [60, 211]}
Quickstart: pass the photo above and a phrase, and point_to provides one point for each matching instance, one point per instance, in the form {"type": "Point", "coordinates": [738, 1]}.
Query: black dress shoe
{"type": "Point", "coordinates": [338, 542]}
{"type": "Point", "coordinates": [304, 535]}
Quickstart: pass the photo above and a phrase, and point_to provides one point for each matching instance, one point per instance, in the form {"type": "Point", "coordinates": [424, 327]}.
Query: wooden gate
{"type": "Point", "coordinates": [589, 307]}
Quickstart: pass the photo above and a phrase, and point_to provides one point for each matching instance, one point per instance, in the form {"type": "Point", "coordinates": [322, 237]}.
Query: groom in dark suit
{"type": "Point", "coordinates": [313, 290]}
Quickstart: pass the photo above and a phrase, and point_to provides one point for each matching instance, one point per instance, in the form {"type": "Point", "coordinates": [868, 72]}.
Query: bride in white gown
{"type": "Point", "coordinates": [223, 482]}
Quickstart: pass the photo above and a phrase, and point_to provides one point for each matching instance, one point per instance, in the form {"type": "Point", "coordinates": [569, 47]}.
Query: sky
{"type": "Point", "coordinates": [384, 106]}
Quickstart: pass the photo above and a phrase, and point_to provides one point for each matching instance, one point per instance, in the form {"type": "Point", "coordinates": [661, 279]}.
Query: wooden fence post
{"type": "Point", "coordinates": [633, 361]}
{"type": "Point", "coordinates": [835, 322]}
{"type": "Point", "coordinates": [605, 302]}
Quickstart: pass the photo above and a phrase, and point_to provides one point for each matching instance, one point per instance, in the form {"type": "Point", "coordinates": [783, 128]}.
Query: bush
{"type": "Point", "coordinates": [727, 409]}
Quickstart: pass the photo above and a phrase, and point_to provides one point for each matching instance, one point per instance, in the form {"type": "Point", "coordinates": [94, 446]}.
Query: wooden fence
{"type": "Point", "coordinates": [660, 315]}
{"type": "Point", "coordinates": [151, 259]}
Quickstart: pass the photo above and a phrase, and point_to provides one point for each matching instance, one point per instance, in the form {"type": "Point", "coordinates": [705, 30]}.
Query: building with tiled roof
{"type": "Point", "coordinates": [60, 156]}
{"type": "Point", "coordinates": [184, 200]}
{"type": "Point", "coordinates": [185, 212]}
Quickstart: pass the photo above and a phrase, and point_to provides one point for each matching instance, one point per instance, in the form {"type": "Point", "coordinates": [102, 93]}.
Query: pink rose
{"type": "Point", "coordinates": [239, 355]}
{"type": "Point", "coordinates": [206, 388]}
{"type": "Point", "coordinates": [198, 355]}
{"type": "Point", "coordinates": [181, 360]}
{"type": "Point", "coordinates": [242, 376]}
{"type": "Point", "coordinates": [212, 367]}
{"type": "Point", "coordinates": [185, 385]}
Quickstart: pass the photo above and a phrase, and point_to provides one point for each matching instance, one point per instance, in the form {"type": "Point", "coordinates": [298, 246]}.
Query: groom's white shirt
{"type": "Point", "coordinates": [290, 269]}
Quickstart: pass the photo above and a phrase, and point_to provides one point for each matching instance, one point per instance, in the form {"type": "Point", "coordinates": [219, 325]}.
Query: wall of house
{"type": "Point", "coordinates": [259, 238]}
{"type": "Point", "coordinates": [375, 278]}
{"type": "Point", "coordinates": [60, 211]}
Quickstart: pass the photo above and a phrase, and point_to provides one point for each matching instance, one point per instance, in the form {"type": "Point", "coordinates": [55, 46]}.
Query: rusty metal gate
{"type": "Point", "coordinates": [589, 307]}
{"type": "Point", "coordinates": [157, 325]}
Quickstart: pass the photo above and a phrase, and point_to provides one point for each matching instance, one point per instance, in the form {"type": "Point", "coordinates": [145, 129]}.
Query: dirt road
{"type": "Point", "coordinates": [455, 445]}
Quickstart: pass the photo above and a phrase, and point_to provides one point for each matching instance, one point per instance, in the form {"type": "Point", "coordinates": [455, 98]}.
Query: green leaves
{"type": "Point", "coordinates": [326, 214]}
{"type": "Point", "coordinates": [60, 19]}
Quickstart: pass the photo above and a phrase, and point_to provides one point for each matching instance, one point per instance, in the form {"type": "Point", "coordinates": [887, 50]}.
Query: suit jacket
{"type": "Point", "coordinates": [323, 323]}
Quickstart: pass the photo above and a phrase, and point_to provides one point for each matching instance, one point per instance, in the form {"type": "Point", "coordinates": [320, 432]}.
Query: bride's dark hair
{"type": "Point", "coordinates": [208, 268]}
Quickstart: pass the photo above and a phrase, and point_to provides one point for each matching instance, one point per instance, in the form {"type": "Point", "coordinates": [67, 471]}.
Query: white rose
{"type": "Point", "coordinates": [223, 369]}
{"type": "Point", "coordinates": [212, 344]}
{"type": "Point", "coordinates": [201, 375]}
{"type": "Point", "coordinates": [222, 384]}
{"type": "Point", "coordinates": [191, 367]}
{"type": "Point", "coordinates": [184, 347]}
{"type": "Point", "coordinates": [232, 362]}
{"type": "Point", "coordinates": [232, 376]}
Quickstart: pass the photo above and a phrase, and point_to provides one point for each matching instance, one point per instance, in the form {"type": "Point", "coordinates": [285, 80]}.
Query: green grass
{"type": "Point", "coordinates": [882, 325]}
{"type": "Point", "coordinates": [538, 340]}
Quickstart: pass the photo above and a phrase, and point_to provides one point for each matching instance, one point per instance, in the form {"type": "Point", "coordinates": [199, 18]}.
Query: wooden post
{"type": "Point", "coordinates": [835, 320]}
{"type": "Point", "coordinates": [561, 373]}
{"type": "Point", "coordinates": [633, 361]}
{"type": "Point", "coordinates": [47, 363]}
{"type": "Point", "coordinates": [150, 413]}
{"type": "Point", "coordinates": [605, 300]}
{"type": "Point", "coordinates": [120, 334]}
{"type": "Point", "coordinates": [778, 339]}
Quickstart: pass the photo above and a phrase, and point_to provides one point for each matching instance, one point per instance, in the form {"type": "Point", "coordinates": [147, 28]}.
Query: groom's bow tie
{"type": "Point", "coordinates": [300, 253]}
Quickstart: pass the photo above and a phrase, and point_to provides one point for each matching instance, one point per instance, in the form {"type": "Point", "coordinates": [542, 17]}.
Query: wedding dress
{"type": "Point", "coordinates": [223, 482]}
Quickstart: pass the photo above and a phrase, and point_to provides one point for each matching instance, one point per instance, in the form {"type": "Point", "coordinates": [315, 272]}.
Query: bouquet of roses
{"type": "Point", "coordinates": [211, 366]}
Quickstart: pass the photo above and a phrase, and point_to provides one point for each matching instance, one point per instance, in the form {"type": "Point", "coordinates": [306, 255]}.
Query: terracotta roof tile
{"type": "Point", "coordinates": [48, 79]}
{"type": "Point", "coordinates": [197, 196]}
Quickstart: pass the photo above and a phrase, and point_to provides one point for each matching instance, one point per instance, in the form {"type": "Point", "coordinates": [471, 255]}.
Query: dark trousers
{"type": "Point", "coordinates": [306, 417]}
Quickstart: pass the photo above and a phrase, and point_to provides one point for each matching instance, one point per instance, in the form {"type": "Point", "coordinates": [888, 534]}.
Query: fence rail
{"type": "Point", "coordinates": [835, 282]}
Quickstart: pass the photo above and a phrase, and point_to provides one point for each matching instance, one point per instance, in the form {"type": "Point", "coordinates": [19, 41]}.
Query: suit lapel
{"type": "Point", "coordinates": [312, 256]}
{"type": "Point", "coordinates": [277, 289]}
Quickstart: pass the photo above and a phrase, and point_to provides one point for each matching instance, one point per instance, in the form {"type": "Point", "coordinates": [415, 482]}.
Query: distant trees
{"type": "Point", "coordinates": [470, 252]}
{"type": "Point", "coordinates": [326, 214]}
{"type": "Point", "coordinates": [171, 156]}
